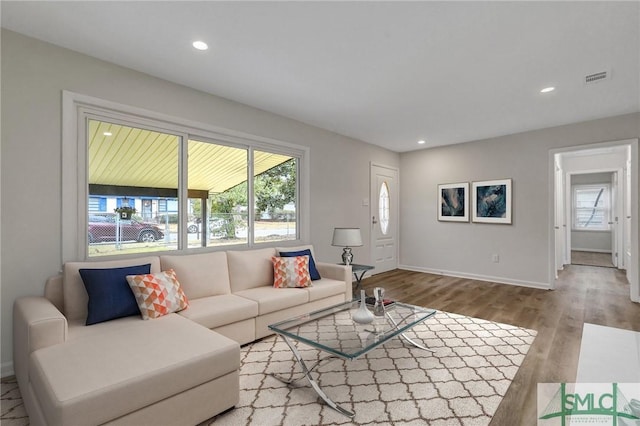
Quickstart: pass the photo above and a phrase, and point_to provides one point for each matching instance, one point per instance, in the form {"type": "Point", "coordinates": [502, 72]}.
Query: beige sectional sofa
{"type": "Point", "coordinates": [181, 368]}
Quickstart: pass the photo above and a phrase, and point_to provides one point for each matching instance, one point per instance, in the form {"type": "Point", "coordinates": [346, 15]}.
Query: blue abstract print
{"type": "Point", "coordinates": [491, 201]}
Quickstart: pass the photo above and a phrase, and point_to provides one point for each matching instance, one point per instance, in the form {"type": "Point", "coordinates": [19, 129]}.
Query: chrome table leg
{"type": "Point", "coordinates": [407, 338]}
{"type": "Point", "coordinates": [307, 373]}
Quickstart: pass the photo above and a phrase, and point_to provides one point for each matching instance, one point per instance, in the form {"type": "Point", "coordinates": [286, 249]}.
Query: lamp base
{"type": "Point", "coordinates": [347, 256]}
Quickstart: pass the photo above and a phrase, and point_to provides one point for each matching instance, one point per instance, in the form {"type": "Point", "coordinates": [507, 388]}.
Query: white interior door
{"type": "Point", "coordinates": [613, 220]}
{"type": "Point", "coordinates": [384, 217]}
{"type": "Point", "coordinates": [559, 217]}
{"type": "Point", "coordinates": [568, 220]}
{"type": "Point", "coordinates": [626, 228]}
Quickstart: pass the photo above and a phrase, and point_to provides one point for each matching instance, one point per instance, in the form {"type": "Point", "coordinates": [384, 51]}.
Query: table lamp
{"type": "Point", "coordinates": [347, 238]}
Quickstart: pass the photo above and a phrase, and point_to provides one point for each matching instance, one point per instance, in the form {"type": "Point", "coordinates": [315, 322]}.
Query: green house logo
{"type": "Point", "coordinates": [591, 406]}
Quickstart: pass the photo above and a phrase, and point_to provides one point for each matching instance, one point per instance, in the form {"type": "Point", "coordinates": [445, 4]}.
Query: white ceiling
{"type": "Point", "coordinates": [388, 73]}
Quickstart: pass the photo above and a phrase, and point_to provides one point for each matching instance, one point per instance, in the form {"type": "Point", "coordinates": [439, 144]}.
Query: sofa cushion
{"type": "Point", "coordinates": [216, 311]}
{"type": "Point", "coordinates": [313, 271]}
{"type": "Point", "coordinates": [151, 361]}
{"type": "Point", "coordinates": [75, 295]}
{"type": "Point", "coordinates": [273, 299]}
{"type": "Point", "coordinates": [326, 287]}
{"type": "Point", "coordinates": [250, 269]}
{"type": "Point", "coordinates": [109, 294]}
{"type": "Point", "coordinates": [201, 275]}
{"type": "Point", "coordinates": [291, 272]}
{"type": "Point", "coordinates": [78, 330]}
{"type": "Point", "coordinates": [297, 248]}
{"type": "Point", "coordinates": [158, 294]}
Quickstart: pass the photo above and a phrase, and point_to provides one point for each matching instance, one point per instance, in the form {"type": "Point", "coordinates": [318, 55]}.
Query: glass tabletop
{"type": "Point", "coordinates": [333, 329]}
{"type": "Point", "coordinates": [357, 267]}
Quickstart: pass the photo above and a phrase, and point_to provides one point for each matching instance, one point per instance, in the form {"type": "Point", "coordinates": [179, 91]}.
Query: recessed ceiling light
{"type": "Point", "coordinates": [422, 142]}
{"type": "Point", "coordinates": [200, 45]}
{"type": "Point", "coordinates": [548, 89]}
{"type": "Point", "coordinates": [107, 133]}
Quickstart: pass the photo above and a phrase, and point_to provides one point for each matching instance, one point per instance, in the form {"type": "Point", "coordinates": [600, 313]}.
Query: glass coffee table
{"type": "Point", "coordinates": [333, 330]}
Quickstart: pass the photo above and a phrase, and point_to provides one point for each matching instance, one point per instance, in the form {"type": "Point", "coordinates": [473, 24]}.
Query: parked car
{"type": "Point", "coordinates": [102, 227]}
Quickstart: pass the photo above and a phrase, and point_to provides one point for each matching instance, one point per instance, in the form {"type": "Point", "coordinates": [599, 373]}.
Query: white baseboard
{"type": "Point", "coordinates": [591, 250]}
{"type": "Point", "coordinates": [6, 369]}
{"type": "Point", "coordinates": [500, 280]}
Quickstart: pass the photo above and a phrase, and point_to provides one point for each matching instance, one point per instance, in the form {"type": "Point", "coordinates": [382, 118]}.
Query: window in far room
{"type": "Point", "coordinates": [591, 207]}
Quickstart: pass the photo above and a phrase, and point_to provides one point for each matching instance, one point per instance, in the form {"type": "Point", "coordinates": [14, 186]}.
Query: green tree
{"type": "Point", "coordinates": [275, 188]}
{"type": "Point", "coordinates": [225, 204]}
{"type": "Point", "coordinates": [196, 207]}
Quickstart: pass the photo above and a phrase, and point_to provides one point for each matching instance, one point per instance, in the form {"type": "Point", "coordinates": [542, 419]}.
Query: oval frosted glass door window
{"type": "Point", "coordinates": [383, 207]}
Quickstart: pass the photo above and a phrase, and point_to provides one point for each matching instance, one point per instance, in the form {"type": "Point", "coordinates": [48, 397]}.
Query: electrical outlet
{"type": "Point", "coordinates": [496, 258]}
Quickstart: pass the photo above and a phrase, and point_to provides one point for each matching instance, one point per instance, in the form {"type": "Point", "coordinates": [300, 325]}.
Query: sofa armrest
{"type": "Point", "coordinates": [337, 272]}
{"type": "Point", "coordinates": [53, 291]}
{"type": "Point", "coordinates": [37, 323]}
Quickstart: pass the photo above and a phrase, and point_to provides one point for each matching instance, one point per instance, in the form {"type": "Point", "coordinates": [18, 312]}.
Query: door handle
{"type": "Point", "coordinates": [374, 220]}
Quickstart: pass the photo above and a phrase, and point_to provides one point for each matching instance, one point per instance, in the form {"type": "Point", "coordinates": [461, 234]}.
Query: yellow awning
{"type": "Point", "coordinates": [126, 156]}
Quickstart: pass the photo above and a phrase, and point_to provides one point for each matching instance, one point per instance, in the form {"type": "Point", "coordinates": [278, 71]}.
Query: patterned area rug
{"type": "Point", "coordinates": [461, 383]}
{"type": "Point", "coordinates": [13, 413]}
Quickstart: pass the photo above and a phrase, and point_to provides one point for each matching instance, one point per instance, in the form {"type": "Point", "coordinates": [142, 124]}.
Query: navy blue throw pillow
{"type": "Point", "coordinates": [110, 296]}
{"type": "Point", "coordinates": [313, 271]}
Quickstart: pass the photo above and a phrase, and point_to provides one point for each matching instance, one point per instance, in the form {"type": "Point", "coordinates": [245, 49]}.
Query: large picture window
{"type": "Point", "coordinates": [155, 186]}
{"type": "Point", "coordinates": [591, 207]}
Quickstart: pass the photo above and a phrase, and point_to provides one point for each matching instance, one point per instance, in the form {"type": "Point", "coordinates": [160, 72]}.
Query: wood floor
{"type": "Point", "coordinates": [583, 294]}
{"type": "Point", "coordinates": [589, 258]}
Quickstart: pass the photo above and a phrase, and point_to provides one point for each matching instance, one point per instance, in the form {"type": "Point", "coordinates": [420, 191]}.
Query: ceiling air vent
{"type": "Point", "coordinates": [597, 77]}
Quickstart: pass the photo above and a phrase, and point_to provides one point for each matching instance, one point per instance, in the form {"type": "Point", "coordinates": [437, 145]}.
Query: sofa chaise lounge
{"type": "Point", "coordinates": [181, 368]}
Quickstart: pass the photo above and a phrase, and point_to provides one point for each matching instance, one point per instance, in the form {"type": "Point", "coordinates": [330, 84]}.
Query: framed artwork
{"type": "Point", "coordinates": [491, 201]}
{"type": "Point", "coordinates": [453, 202]}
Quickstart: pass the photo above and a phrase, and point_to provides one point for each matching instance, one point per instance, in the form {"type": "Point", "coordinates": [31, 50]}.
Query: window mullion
{"type": "Point", "coordinates": [250, 199]}
{"type": "Point", "coordinates": [183, 192]}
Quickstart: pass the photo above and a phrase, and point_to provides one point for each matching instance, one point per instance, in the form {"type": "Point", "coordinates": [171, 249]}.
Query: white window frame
{"type": "Point", "coordinates": [77, 108]}
{"type": "Point", "coordinates": [606, 208]}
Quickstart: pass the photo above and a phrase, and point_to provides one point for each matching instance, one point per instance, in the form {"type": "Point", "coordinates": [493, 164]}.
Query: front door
{"type": "Point", "coordinates": [384, 218]}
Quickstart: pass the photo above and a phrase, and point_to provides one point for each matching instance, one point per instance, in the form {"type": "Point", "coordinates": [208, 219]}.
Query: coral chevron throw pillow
{"type": "Point", "coordinates": [313, 270]}
{"type": "Point", "coordinates": [158, 294]}
{"type": "Point", "coordinates": [291, 271]}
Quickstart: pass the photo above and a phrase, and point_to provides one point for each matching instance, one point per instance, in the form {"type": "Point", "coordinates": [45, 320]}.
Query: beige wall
{"type": "Point", "coordinates": [33, 77]}
{"type": "Point", "coordinates": [466, 249]}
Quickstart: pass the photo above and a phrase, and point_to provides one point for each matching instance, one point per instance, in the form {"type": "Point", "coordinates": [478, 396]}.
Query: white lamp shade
{"type": "Point", "coordinates": [346, 237]}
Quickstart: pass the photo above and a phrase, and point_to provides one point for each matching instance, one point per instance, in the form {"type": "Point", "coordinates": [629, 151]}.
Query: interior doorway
{"type": "Point", "coordinates": [595, 201]}
{"type": "Point", "coordinates": [595, 191]}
